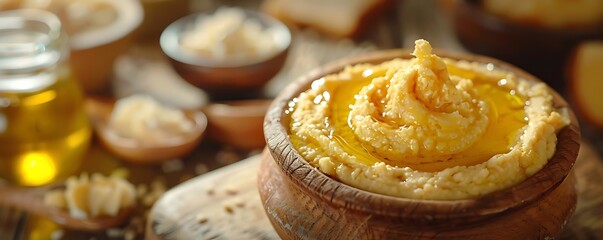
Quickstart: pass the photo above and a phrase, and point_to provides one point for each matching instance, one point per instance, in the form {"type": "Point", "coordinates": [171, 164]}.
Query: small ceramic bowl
{"type": "Point", "coordinates": [93, 52]}
{"type": "Point", "coordinates": [238, 123]}
{"type": "Point", "coordinates": [139, 151]}
{"type": "Point", "coordinates": [539, 50]}
{"type": "Point", "coordinates": [303, 203]}
{"type": "Point", "coordinates": [223, 80]}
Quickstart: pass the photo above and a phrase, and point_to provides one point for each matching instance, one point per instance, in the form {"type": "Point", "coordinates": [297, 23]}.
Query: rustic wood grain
{"type": "Point", "coordinates": [585, 224]}
{"type": "Point", "coordinates": [296, 214]}
{"type": "Point", "coordinates": [535, 208]}
{"type": "Point", "coordinates": [178, 213]}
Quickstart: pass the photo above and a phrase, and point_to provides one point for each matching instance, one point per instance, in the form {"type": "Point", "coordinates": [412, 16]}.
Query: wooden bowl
{"type": "Point", "coordinates": [540, 50]}
{"type": "Point", "coordinates": [226, 80]}
{"type": "Point", "coordinates": [238, 123]}
{"type": "Point", "coordinates": [302, 202]}
{"type": "Point", "coordinates": [93, 53]}
{"type": "Point", "coordinates": [138, 151]}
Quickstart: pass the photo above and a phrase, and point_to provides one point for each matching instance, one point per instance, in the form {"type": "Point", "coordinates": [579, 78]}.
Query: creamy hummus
{"type": "Point", "coordinates": [426, 128]}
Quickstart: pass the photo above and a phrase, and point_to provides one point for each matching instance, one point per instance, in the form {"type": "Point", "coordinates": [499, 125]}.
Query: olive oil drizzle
{"type": "Point", "coordinates": [506, 122]}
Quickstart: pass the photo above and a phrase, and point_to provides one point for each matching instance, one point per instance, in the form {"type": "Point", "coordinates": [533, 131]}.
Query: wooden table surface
{"type": "Point", "coordinates": [225, 204]}
{"type": "Point", "coordinates": [144, 68]}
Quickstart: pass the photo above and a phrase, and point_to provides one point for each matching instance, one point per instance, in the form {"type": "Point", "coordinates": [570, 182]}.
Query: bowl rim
{"type": "Point", "coordinates": [169, 41]}
{"type": "Point", "coordinates": [130, 15]}
{"type": "Point", "coordinates": [238, 109]}
{"type": "Point", "coordinates": [472, 10]}
{"type": "Point", "coordinates": [100, 109]}
{"type": "Point", "coordinates": [340, 195]}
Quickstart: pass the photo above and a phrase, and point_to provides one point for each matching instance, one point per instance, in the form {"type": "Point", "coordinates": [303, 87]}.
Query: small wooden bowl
{"type": "Point", "coordinates": [138, 151]}
{"type": "Point", "coordinates": [538, 49]}
{"type": "Point", "coordinates": [238, 123]}
{"type": "Point", "coordinates": [302, 202]}
{"type": "Point", "coordinates": [232, 79]}
{"type": "Point", "coordinates": [93, 53]}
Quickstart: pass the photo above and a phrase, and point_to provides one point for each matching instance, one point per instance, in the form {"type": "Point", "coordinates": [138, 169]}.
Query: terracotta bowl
{"type": "Point", "coordinates": [139, 151]}
{"type": "Point", "coordinates": [224, 80]}
{"type": "Point", "coordinates": [302, 202]}
{"type": "Point", "coordinates": [540, 50]}
{"type": "Point", "coordinates": [238, 123]}
{"type": "Point", "coordinates": [93, 53]}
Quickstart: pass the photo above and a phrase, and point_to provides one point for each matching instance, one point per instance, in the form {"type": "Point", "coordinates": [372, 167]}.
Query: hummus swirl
{"type": "Point", "coordinates": [426, 128]}
{"type": "Point", "coordinates": [419, 101]}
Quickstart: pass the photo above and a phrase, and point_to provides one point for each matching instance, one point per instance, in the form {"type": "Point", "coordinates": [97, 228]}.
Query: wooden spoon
{"type": "Point", "coordinates": [31, 200]}
{"type": "Point", "coordinates": [139, 151]}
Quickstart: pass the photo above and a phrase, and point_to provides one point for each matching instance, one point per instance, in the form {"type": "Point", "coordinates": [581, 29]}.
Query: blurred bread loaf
{"type": "Point", "coordinates": [585, 72]}
{"type": "Point", "coordinates": [339, 18]}
{"type": "Point", "coordinates": [549, 13]}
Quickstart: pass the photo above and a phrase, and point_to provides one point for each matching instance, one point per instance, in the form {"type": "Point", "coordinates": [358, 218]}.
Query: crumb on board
{"type": "Point", "coordinates": [228, 208]}
{"type": "Point", "coordinates": [239, 202]}
{"type": "Point", "coordinates": [210, 191]}
{"type": "Point", "coordinates": [230, 190]}
{"type": "Point", "coordinates": [201, 218]}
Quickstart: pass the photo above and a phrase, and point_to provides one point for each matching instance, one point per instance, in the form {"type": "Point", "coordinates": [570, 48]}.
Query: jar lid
{"type": "Point", "coordinates": [31, 45]}
{"type": "Point", "coordinates": [30, 39]}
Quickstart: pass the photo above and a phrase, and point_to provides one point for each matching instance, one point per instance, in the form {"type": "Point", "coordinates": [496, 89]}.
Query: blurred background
{"type": "Point", "coordinates": [117, 49]}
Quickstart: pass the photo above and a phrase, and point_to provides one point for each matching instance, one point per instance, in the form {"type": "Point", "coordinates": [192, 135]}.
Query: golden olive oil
{"type": "Point", "coordinates": [507, 119]}
{"type": "Point", "coordinates": [44, 130]}
{"type": "Point", "coordinates": [44, 135]}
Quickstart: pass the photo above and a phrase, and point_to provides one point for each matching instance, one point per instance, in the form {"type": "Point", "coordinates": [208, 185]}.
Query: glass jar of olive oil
{"type": "Point", "coordinates": [44, 130]}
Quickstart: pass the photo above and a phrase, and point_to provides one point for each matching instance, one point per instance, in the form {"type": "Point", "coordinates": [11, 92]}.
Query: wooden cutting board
{"type": "Point", "coordinates": [226, 199]}
{"type": "Point", "coordinates": [225, 204]}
